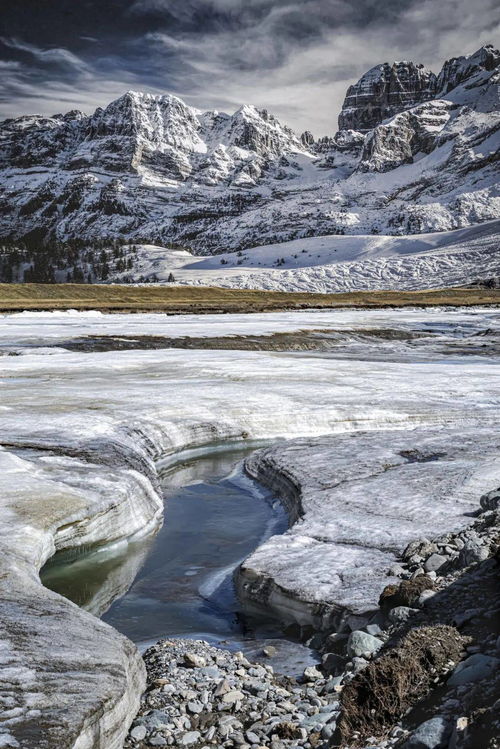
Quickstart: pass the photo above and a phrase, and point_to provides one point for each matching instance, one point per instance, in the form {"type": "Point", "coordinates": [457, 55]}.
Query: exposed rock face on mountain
{"type": "Point", "coordinates": [150, 168]}
{"type": "Point", "coordinates": [384, 91]}
{"type": "Point", "coordinates": [459, 69]}
{"type": "Point", "coordinates": [408, 133]}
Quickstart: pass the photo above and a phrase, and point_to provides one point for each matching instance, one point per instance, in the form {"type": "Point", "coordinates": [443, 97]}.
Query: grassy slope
{"type": "Point", "coordinates": [15, 297]}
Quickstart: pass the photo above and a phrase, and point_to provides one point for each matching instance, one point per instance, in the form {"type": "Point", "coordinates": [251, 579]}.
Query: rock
{"type": "Point", "coordinates": [194, 707]}
{"type": "Point", "coordinates": [256, 687]}
{"type": "Point", "coordinates": [384, 91]}
{"type": "Point", "coordinates": [355, 622]}
{"type": "Point", "coordinates": [491, 500]}
{"type": "Point", "coordinates": [360, 643]}
{"type": "Point", "coordinates": [434, 562]}
{"type": "Point", "coordinates": [212, 672]}
{"type": "Point", "coordinates": [462, 617]}
{"type": "Point", "coordinates": [425, 597]}
{"type": "Point", "coordinates": [252, 737]}
{"type": "Point", "coordinates": [222, 687]}
{"type": "Point", "coordinates": [191, 737]}
{"type": "Point", "coordinates": [228, 723]}
{"type": "Point", "coordinates": [396, 570]}
{"type": "Point", "coordinates": [433, 734]}
{"type": "Point", "coordinates": [333, 664]}
{"type": "Point", "coordinates": [327, 732]}
{"type": "Point", "coordinates": [401, 614]}
{"type": "Point", "coordinates": [333, 684]}
{"type": "Point", "coordinates": [269, 651]}
{"type": "Point", "coordinates": [415, 559]}
{"type": "Point", "coordinates": [233, 696]}
{"type": "Point", "coordinates": [336, 643]}
{"type": "Point", "coordinates": [472, 669]}
{"type": "Point", "coordinates": [358, 664]}
{"type": "Point", "coordinates": [373, 629]}
{"type": "Point", "coordinates": [154, 719]}
{"type": "Point", "coordinates": [311, 673]}
{"type": "Point", "coordinates": [459, 69]}
{"type": "Point", "coordinates": [473, 552]}
{"type": "Point", "coordinates": [157, 741]}
{"type": "Point", "coordinates": [138, 733]}
{"type": "Point", "coordinates": [457, 734]}
{"type": "Point", "coordinates": [191, 660]}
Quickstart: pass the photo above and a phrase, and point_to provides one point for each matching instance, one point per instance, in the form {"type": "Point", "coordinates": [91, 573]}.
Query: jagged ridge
{"type": "Point", "coordinates": [415, 152]}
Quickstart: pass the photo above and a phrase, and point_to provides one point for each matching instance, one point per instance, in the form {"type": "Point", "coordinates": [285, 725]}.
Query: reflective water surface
{"type": "Point", "coordinates": [180, 582]}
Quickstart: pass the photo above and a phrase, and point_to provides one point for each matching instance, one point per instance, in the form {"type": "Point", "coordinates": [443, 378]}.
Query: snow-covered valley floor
{"type": "Point", "coordinates": [84, 432]}
{"type": "Point", "coordinates": [337, 263]}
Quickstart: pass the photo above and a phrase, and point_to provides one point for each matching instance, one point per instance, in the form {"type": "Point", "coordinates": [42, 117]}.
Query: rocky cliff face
{"type": "Point", "coordinates": [384, 91]}
{"type": "Point", "coordinates": [459, 69]}
{"type": "Point", "coordinates": [152, 168]}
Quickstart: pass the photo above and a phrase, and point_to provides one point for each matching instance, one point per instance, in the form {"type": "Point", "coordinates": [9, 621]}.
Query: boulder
{"type": "Point", "coordinates": [473, 552]}
{"type": "Point", "coordinates": [474, 668]}
{"type": "Point", "coordinates": [435, 562]}
{"type": "Point", "coordinates": [311, 673]}
{"type": "Point", "coordinates": [361, 643]}
{"type": "Point", "coordinates": [433, 734]}
{"type": "Point", "coordinates": [401, 614]}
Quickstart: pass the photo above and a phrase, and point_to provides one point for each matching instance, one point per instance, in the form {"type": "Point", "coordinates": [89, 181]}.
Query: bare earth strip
{"type": "Point", "coordinates": [186, 299]}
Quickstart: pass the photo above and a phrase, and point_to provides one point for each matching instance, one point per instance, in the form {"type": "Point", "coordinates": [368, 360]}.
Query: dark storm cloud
{"type": "Point", "coordinates": [294, 57]}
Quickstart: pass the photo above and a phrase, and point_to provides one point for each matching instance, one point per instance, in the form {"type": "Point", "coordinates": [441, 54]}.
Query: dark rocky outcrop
{"type": "Point", "coordinates": [384, 91]}
{"type": "Point", "coordinates": [458, 69]}
{"type": "Point", "coordinates": [387, 89]}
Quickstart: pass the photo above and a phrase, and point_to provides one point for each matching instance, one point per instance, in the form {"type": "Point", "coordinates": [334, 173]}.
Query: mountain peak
{"type": "Point", "coordinates": [383, 91]}
{"type": "Point", "coordinates": [458, 69]}
{"type": "Point", "coordinates": [148, 166]}
{"type": "Point", "coordinates": [390, 88]}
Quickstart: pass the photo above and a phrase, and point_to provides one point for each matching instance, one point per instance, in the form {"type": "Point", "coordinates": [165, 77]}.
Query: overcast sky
{"type": "Point", "coordinates": [293, 57]}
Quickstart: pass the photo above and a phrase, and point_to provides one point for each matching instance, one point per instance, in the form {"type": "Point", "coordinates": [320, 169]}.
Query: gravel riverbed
{"type": "Point", "coordinates": [202, 696]}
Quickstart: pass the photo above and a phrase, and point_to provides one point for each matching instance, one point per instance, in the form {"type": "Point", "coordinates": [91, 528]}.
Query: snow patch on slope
{"type": "Point", "coordinates": [338, 263]}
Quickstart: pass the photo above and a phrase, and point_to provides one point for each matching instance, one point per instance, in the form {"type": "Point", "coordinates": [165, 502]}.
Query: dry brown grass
{"type": "Point", "coordinates": [203, 299]}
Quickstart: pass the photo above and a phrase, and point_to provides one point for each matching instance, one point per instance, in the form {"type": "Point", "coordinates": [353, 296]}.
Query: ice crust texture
{"type": "Point", "coordinates": [83, 435]}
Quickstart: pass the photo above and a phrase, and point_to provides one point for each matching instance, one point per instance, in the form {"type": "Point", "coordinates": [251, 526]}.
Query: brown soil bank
{"type": "Point", "coordinates": [189, 299]}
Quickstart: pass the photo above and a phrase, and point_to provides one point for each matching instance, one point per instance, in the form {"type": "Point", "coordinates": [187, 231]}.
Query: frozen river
{"type": "Point", "coordinates": [93, 406]}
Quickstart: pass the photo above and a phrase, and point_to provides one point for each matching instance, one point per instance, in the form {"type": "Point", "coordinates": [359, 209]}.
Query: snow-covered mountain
{"type": "Point", "coordinates": [416, 152]}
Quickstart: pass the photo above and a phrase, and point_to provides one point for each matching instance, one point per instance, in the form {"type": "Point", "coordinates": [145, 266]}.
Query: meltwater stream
{"type": "Point", "coordinates": [180, 582]}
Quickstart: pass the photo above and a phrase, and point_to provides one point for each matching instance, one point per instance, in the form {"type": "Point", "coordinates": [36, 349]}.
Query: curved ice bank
{"type": "Point", "coordinates": [66, 678]}
{"type": "Point", "coordinates": [358, 500]}
{"type": "Point", "coordinates": [82, 435]}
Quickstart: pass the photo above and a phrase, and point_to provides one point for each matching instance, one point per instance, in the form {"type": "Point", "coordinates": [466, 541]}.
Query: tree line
{"type": "Point", "coordinates": [72, 261]}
